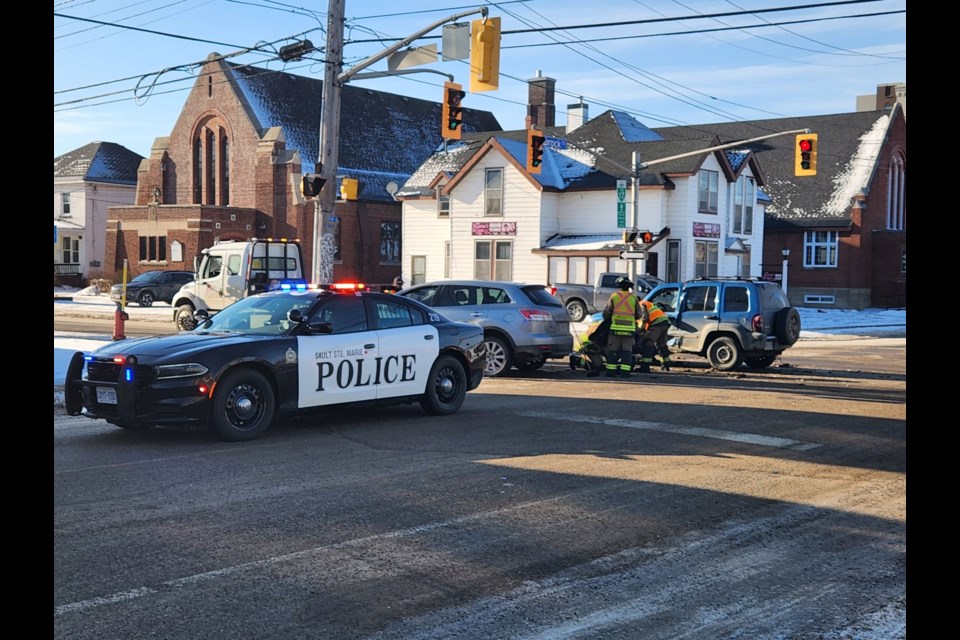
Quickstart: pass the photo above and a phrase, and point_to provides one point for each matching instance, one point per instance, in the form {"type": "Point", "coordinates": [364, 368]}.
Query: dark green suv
{"type": "Point", "coordinates": [729, 321]}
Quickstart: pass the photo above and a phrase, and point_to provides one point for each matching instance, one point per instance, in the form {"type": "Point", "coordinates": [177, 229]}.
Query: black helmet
{"type": "Point", "coordinates": [624, 283]}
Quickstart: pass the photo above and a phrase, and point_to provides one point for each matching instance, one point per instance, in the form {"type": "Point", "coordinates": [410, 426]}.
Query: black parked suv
{"type": "Point", "coordinates": [152, 286]}
{"type": "Point", "coordinates": [729, 321]}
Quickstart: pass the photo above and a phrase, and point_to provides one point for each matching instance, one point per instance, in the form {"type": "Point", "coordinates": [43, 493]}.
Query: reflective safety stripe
{"type": "Point", "coordinates": [654, 313]}
{"type": "Point", "coordinates": [623, 319]}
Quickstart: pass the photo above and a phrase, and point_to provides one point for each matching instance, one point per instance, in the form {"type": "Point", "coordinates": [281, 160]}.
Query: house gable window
{"type": "Point", "coordinates": [820, 249]}
{"type": "Point", "coordinates": [709, 189]}
{"type": "Point", "coordinates": [744, 197]}
{"type": "Point", "coordinates": [493, 192]}
{"type": "Point", "coordinates": [443, 206]}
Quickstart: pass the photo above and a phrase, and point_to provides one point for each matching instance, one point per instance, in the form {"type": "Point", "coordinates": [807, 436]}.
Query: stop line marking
{"type": "Point", "coordinates": [701, 432]}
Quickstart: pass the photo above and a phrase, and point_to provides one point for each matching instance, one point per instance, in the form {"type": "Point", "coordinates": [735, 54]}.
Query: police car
{"type": "Point", "coordinates": [277, 353]}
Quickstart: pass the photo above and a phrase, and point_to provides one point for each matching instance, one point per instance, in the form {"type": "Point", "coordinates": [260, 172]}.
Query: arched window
{"type": "Point", "coordinates": [211, 163]}
{"type": "Point", "coordinates": [897, 192]}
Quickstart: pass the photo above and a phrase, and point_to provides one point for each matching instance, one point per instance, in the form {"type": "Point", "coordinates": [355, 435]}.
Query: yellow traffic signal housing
{"type": "Point", "coordinates": [535, 140]}
{"type": "Point", "coordinates": [484, 55]}
{"type": "Point", "coordinates": [629, 236]}
{"type": "Point", "coordinates": [349, 188]}
{"type": "Point", "coordinates": [805, 155]}
{"type": "Point", "coordinates": [453, 96]}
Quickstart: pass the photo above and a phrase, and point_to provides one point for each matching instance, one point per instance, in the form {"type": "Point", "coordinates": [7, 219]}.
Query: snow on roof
{"type": "Point", "coordinates": [560, 166]}
{"type": "Point", "coordinates": [633, 130]}
{"type": "Point", "coordinates": [852, 179]}
{"type": "Point", "coordinates": [592, 242]}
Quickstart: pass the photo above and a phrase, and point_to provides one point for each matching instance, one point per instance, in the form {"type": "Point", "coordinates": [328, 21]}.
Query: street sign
{"type": "Point", "coordinates": [554, 143]}
{"type": "Point", "coordinates": [621, 204]}
{"type": "Point", "coordinates": [632, 255]}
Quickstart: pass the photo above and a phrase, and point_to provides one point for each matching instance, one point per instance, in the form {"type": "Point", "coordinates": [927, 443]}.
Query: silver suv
{"type": "Point", "coordinates": [524, 325]}
{"type": "Point", "coordinates": [729, 321]}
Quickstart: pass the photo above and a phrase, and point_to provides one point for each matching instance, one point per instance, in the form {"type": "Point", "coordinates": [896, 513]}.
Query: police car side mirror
{"type": "Point", "coordinates": [319, 326]}
{"type": "Point", "coordinates": [295, 315]}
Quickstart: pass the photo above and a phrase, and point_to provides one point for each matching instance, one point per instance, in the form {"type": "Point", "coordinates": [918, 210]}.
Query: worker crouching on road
{"type": "Point", "coordinates": [653, 340]}
{"type": "Point", "coordinates": [589, 355]}
{"type": "Point", "coordinates": [623, 310]}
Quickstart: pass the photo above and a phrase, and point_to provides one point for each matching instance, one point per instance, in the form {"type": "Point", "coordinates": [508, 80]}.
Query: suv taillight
{"type": "Point", "coordinates": [552, 290]}
{"type": "Point", "coordinates": [757, 323]}
{"type": "Point", "coordinates": [535, 314]}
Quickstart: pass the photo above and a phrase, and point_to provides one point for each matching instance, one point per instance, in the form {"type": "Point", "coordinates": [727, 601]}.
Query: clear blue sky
{"type": "Point", "coordinates": [811, 60]}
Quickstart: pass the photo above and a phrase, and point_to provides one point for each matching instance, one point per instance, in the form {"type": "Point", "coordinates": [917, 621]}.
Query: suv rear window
{"type": "Point", "coordinates": [538, 294]}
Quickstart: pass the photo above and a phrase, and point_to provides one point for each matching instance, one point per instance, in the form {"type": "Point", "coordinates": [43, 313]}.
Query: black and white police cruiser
{"type": "Point", "coordinates": [278, 353]}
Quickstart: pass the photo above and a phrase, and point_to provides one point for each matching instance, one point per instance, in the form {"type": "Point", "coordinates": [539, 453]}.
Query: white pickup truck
{"type": "Point", "coordinates": [229, 271]}
{"type": "Point", "coordinates": [582, 300]}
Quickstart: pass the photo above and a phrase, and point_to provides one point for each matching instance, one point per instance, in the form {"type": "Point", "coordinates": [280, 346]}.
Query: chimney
{"type": "Point", "coordinates": [541, 109]}
{"type": "Point", "coordinates": [576, 115]}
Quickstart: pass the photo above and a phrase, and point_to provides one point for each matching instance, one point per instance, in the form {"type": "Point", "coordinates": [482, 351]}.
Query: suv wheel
{"type": "Point", "coordinates": [146, 299]}
{"type": "Point", "coordinates": [577, 310]}
{"type": "Point", "coordinates": [724, 354]}
{"type": "Point", "coordinates": [498, 357]}
{"type": "Point", "coordinates": [786, 325]}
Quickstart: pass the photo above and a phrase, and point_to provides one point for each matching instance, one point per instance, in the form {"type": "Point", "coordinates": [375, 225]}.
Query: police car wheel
{"type": "Point", "coordinates": [243, 405]}
{"type": "Point", "coordinates": [446, 387]}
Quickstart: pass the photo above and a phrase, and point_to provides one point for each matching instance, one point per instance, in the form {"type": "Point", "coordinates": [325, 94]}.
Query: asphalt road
{"type": "Point", "coordinates": [687, 504]}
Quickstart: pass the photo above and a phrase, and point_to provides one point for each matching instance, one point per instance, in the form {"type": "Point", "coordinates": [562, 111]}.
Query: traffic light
{"type": "Point", "coordinates": [452, 111]}
{"type": "Point", "coordinates": [805, 163]}
{"type": "Point", "coordinates": [349, 187]}
{"type": "Point", "coordinates": [646, 237]}
{"type": "Point", "coordinates": [484, 54]}
{"type": "Point", "coordinates": [535, 140]}
{"type": "Point", "coordinates": [629, 236]}
{"type": "Point", "coordinates": [311, 185]}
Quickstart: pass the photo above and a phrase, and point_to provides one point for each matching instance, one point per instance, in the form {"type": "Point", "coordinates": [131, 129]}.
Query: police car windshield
{"type": "Point", "coordinates": [265, 314]}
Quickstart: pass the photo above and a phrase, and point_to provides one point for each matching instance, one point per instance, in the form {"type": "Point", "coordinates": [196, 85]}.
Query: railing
{"type": "Point", "coordinates": [66, 269]}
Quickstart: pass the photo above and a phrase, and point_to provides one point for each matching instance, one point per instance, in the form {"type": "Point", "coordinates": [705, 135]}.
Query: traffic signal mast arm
{"type": "Point", "coordinates": [349, 73]}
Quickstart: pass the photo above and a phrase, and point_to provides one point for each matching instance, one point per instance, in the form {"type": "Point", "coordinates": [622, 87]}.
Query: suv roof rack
{"type": "Point", "coordinates": [731, 278]}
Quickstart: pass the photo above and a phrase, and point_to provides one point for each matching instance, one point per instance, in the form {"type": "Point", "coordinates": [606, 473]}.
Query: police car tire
{"type": "Point", "coordinates": [446, 387]}
{"type": "Point", "coordinates": [243, 405]}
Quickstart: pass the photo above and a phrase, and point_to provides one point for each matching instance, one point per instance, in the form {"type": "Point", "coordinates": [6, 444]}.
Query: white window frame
{"type": "Point", "coordinates": [493, 195]}
{"type": "Point", "coordinates": [708, 191]}
{"type": "Point", "coordinates": [443, 205]}
{"type": "Point", "coordinates": [744, 201]}
{"type": "Point", "coordinates": [65, 204]}
{"type": "Point", "coordinates": [821, 249]}
{"type": "Point", "coordinates": [418, 269]}
{"type": "Point", "coordinates": [706, 258]}
{"type": "Point", "coordinates": [493, 267]}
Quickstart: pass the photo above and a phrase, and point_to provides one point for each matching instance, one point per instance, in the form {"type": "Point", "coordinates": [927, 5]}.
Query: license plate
{"type": "Point", "coordinates": [106, 395]}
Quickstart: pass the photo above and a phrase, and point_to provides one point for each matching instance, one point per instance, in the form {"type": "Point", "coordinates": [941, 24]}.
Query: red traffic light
{"type": "Point", "coordinates": [806, 144]}
{"type": "Point", "coordinates": [647, 237]}
{"type": "Point", "coordinates": [452, 111]}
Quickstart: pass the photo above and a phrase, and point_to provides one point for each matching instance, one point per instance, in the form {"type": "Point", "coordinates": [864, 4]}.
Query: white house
{"type": "Point", "coordinates": [86, 182]}
{"type": "Point", "coordinates": [473, 210]}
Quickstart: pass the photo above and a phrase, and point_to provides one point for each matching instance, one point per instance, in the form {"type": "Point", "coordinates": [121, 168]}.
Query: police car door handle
{"type": "Point", "coordinates": [477, 314]}
{"type": "Point", "coordinates": [369, 346]}
{"type": "Point", "coordinates": [428, 337]}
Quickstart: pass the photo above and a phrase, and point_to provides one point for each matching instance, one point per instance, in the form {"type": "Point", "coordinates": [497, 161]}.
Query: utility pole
{"type": "Point", "coordinates": [323, 245]}
{"type": "Point", "coordinates": [333, 81]}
